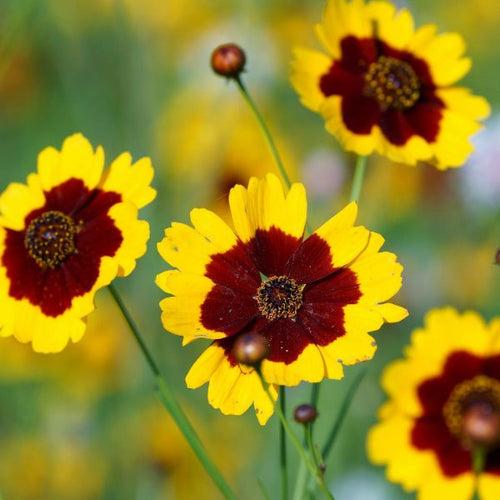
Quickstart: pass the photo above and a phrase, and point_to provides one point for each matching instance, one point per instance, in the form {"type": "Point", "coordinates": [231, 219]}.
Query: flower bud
{"type": "Point", "coordinates": [305, 414]}
{"type": "Point", "coordinates": [250, 349]}
{"type": "Point", "coordinates": [481, 426]}
{"type": "Point", "coordinates": [228, 60]}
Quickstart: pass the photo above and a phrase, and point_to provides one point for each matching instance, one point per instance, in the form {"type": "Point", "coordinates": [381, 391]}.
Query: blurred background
{"type": "Point", "coordinates": [134, 75]}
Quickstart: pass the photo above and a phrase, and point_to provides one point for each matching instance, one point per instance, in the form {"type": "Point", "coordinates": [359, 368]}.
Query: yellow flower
{"type": "Point", "coordinates": [66, 233]}
{"type": "Point", "coordinates": [387, 87]}
{"type": "Point", "coordinates": [315, 300]}
{"type": "Point", "coordinates": [444, 402]}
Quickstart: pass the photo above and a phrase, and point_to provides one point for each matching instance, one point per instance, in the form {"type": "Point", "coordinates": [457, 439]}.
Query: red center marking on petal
{"type": "Point", "coordinates": [318, 318]}
{"type": "Point", "coordinates": [50, 268]}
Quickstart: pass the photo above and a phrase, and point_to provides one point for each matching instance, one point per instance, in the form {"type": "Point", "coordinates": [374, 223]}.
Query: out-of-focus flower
{"type": "Point", "coordinates": [473, 262]}
{"type": "Point", "coordinates": [444, 403]}
{"type": "Point", "coordinates": [179, 20]}
{"type": "Point", "coordinates": [478, 19]}
{"type": "Point", "coordinates": [387, 88]}
{"type": "Point", "coordinates": [480, 181]}
{"type": "Point", "coordinates": [216, 154]}
{"type": "Point", "coordinates": [324, 173]}
{"type": "Point", "coordinates": [33, 468]}
{"type": "Point", "coordinates": [64, 235]}
{"type": "Point", "coordinates": [166, 451]}
{"type": "Point", "coordinates": [314, 300]}
{"type": "Point", "coordinates": [18, 79]}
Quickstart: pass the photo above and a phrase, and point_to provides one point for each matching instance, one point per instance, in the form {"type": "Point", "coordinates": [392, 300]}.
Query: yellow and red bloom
{"type": "Point", "coordinates": [314, 299]}
{"type": "Point", "coordinates": [388, 88]}
{"type": "Point", "coordinates": [70, 230]}
{"type": "Point", "coordinates": [444, 402]}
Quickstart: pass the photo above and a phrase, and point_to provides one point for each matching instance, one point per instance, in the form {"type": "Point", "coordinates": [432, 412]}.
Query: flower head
{"type": "Point", "coordinates": [444, 405]}
{"type": "Point", "coordinates": [70, 230]}
{"type": "Point", "coordinates": [386, 87]}
{"type": "Point", "coordinates": [314, 299]}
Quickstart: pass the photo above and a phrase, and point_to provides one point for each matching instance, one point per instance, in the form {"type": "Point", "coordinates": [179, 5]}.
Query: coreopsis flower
{"type": "Point", "coordinates": [444, 404]}
{"type": "Point", "coordinates": [313, 299]}
{"type": "Point", "coordinates": [385, 87]}
{"type": "Point", "coordinates": [66, 233]}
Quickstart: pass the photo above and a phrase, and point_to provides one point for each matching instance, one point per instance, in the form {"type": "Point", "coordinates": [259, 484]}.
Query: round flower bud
{"type": "Point", "coordinates": [481, 426]}
{"type": "Point", "coordinates": [305, 414]}
{"type": "Point", "coordinates": [250, 349]}
{"type": "Point", "coordinates": [228, 60]}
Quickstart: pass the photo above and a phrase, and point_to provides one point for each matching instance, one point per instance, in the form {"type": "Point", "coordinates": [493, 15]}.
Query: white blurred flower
{"type": "Point", "coordinates": [324, 174]}
{"type": "Point", "coordinates": [480, 178]}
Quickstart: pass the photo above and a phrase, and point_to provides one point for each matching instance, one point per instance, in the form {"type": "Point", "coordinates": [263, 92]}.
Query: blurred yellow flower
{"type": "Point", "coordinates": [168, 454]}
{"type": "Point", "coordinates": [385, 87]}
{"type": "Point", "coordinates": [315, 300]}
{"type": "Point", "coordinates": [444, 404]}
{"type": "Point", "coordinates": [215, 144]}
{"type": "Point", "coordinates": [34, 468]}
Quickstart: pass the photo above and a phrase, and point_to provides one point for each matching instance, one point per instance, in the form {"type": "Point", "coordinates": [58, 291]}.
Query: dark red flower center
{"type": "Point", "coordinates": [50, 238]}
{"type": "Point", "coordinates": [472, 412]}
{"type": "Point", "coordinates": [279, 297]}
{"type": "Point", "coordinates": [392, 83]}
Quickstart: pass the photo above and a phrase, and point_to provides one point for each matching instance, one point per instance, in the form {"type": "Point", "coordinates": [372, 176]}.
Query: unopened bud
{"type": "Point", "coordinates": [305, 414]}
{"type": "Point", "coordinates": [250, 349]}
{"type": "Point", "coordinates": [228, 60]}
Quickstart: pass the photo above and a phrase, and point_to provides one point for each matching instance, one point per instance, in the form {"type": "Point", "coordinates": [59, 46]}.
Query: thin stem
{"type": "Point", "coordinates": [283, 458]}
{"type": "Point", "coordinates": [296, 443]}
{"type": "Point", "coordinates": [312, 448]}
{"type": "Point", "coordinates": [135, 330]}
{"type": "Point", "coordinates": [344, 408]}
{"type": "Point", "coordinates": [170, 402]}
{"type": "Point", "coordinates": [478, 460]}
{"type": "Point", "coordinates": [315, 394]}
{"type": "Point", "coordinates": [301, 483]}
{"type": "Point", "coordinates": [359, 175]}
{"type": "Point", "coordinates": [265, 130]}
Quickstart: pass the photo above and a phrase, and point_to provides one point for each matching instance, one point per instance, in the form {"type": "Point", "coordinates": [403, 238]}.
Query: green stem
{"type": "Point", "coordinates": [312, 448]}
{"type": "Point", "coordinates": [301, 483]}
{"type": "Point", "coordinates": [359, 175]}
{"type": "Point", "coordinates": [283, 460]}
{"type": "Point", "coordinates": [344, 408]}
{"type": "Point", "coordinates": [478, 460]}
{"type": "Point", "coordinates": [315, 388]}
{"type": "Point", "coordinates": [296, 443]}
{"type": "Point", "coordinates": [170, 402]}
{"type": "Point", "coordinates": [265, 130]}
